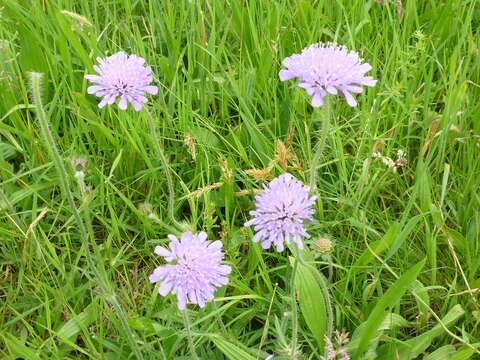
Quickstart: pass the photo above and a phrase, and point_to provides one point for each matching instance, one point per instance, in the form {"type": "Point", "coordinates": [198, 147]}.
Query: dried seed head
{"type": "Point", "coordinates": [432, 130]}
{"type": "Point", "coordinates": [81, 21]}
{"type": "Point", "coordinates": [323, 246]}
{"type": "Point", "coordinates": [79, 163]}
{"type": "Point", "coordinates": [401, 160]}
{"type": "Point", "coordinates": [292, 354]}
{"type": "Point", "coordinates": [399, 8]}
{"type": "Point", "coordinates": [291, 134]}
{"type": "Point", "coordinates": [394, 165]}
{"type": "Point", "coordinates": [342, 337]}
{"type": "Point", "coordinates": [146, 209]}
{"type": "Point", "coordinates": [379, 145]}
{"type": "Point", "coordinates": [455, 129]}
{"type": "Point", "coordinates": [261, 174]}
{"type": "Point", "coordinates": [188, 140]}
{"type": "Point", "coordinates": [203, 190]}
{"type": "Point", "coordinates": [227, 173]}
{"type": "Point", "coordinates": [282, 155]}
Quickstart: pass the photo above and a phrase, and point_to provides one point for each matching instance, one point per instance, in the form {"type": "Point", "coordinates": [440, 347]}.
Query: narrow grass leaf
{"type": "Point", "coordinates": [18, 348]}
{"type": "Point", "coordinates": [73, 326]}
{"type": "Point", "coordinates": [386, 302]}
{"type": "Point", "coordinates": [417, 345]}
{"type": "Point", "coordinates": [230, 350]}
{"type": "Point", "coordinates": [443, 353]}
{"type": "Point", "coordinates": [378, 247]}
{"type": "Point", "coordinates": [466, 353]}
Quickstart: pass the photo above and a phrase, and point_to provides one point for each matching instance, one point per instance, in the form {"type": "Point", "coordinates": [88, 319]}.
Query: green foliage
{"type": "Point", "coordinates": [312, 302]}
{"type": "Point", "coordinates": [75, 264]}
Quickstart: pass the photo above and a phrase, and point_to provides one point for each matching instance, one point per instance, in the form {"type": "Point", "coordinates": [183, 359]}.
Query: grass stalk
{"type": "Point", "coordinates": [188, 328]}
{"type": "Point", "coordinates": [168, 174]}
{"type": "Point", "coordinates": [325, 114]}
{"type": "Point", "coordinates": [86, 231]}
{"type": "Point", "coordinates": [293, 294]}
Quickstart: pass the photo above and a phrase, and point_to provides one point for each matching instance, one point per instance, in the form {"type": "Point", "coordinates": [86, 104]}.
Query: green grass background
{"type": "Point", "coordinates": [68, 294]}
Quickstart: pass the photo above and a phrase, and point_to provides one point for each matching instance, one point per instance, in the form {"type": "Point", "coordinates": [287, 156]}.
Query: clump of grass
{"type": "Point", "coordinates": [81, 291]}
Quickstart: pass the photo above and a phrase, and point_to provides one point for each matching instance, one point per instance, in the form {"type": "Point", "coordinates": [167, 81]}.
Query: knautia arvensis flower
{"type": "Point", "coordinates": [194, 269]}
{"type": "Point", "coordinates": [122, 76]}
{"type": "Point", "coordinates": [324, 69]}
{"type": "Point", "coordinates": [281, 210]}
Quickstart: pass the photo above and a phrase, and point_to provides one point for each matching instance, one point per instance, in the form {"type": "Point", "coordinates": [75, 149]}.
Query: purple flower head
{"type": "Point", "coordinates": [193, 270]}
{"type": "Point", "coordinates": [324, 69]}
{"type": "Point", "coordinates": [281, 209]}
{"type": "Point", "coordinates": [124, 76]}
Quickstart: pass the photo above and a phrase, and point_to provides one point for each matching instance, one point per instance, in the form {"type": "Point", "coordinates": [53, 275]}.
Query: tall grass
{"type": "Point", "coordinates": [403, 277]}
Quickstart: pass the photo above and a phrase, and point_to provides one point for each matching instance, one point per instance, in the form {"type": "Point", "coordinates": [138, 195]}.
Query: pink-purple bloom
{"type": "Point", "coordinates": [281, 210]}
{"type": "Point", "coordinates": [123, 76]}
{"type": "Point", "coordinates": [194, 269]}
{"type": "Point", "coordinates": [324, 69]}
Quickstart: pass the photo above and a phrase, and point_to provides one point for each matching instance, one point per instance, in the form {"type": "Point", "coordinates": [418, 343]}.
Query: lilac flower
{"type": "Point", "coordinates": [193, 270]}
{"type": "Point", "coordinates": [281, 208]}
{"type": "Point", "coordinates": [123, 76]}
{"type": "Point", "coordinates": [324, 69]}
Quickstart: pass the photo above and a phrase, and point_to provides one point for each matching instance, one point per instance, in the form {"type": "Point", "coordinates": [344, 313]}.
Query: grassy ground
{"type": "Point", "coordinates": [403, 277]}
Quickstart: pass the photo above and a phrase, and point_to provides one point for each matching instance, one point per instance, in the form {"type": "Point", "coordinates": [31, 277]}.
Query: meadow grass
{"type": "Point", "coordinates": [75, 254]}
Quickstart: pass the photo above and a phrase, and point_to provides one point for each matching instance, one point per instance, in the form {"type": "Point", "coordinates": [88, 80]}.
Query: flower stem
{"type": "Point", "coordinates": [328, 305]}
{"type": "Point", "coordinates": [86, 232]}
{"type": "Point", "coordinates": [294, 306]}
{"type": "Point", "coordinates": [323, 134]}
{"type": "Point", "coordinates": [188, 326]}
{"type": "Point", "coordinates": [168, 173]}
{"type": "Point", "coordinates": [219, 317]}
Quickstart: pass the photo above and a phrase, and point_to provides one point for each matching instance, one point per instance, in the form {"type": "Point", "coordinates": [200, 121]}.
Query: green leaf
{"type": "Point", "coordinates": [392, 321]}
{"type": "Point", "coordinates": [465, 352]}
{"type": "Point", "coordinates": [415, 347]}
{"type": "Point", "coordinates": [386, 302]}
{"type": "Point", "coordinates": [7, 151]}
{"type": "Point", "coordinates": [378, 246]}
{"type": "Point", "coordinates": [73, 326]}
{"type": "Point", "coordinates": [422, 298]}
{"type": "Point", "coordinates": [400, 239]}
{"type": "Point", "coordinates": [230, 350]}
{"type": "Point", "coordinates": [149, 326]}
{"type": "Point", "coordinates": [443, 353]}
{"type": "Point", "coordinates": [205, 137]}
{"type": "Point", "coordinates": [392, 240]}
{"type": "Point", "coordinates": [312, 302]}
{"type": "Point", "coordinates": [18, 348]}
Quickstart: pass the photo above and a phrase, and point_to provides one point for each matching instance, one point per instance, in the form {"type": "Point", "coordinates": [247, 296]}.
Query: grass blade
{"type": "Point", "coordinates": [386, 302]}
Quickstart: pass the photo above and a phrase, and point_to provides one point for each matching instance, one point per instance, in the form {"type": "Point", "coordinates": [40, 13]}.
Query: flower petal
{"type": "Point", "coordinates": [350, 99]}
{"type": "Point", "coordinates": [153, 90]}
{"type": "Point", "coordinates": [285, 75]}
{"type": "Point", "coordinates": [317, 99]}
{"type": "Point", "coordinates": [162, 251]}
{"type": "Point", "coordinates": [122, 104]}
{"type": "Point", "coordinates": [165, 288]}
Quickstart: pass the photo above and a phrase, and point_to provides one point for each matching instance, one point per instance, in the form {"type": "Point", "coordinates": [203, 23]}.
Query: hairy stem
{"type": "Point", "coordinates": [168, 173]}
{"type": "Point", "coordinates": [86, 232]}
{"type": "Point", "coordinates": [320, 145]}
{"type": "Point", "coordinates": [188, 327]}
{"type": "Point", "coordinates": [294, 306]}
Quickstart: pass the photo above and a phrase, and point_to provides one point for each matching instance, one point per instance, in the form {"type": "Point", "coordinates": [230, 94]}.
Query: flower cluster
{"type": "Point", "coordinates": [324, 69]}
{"type": "Point", "coordinates": [193, 270]}
{"type": "Point", "coordinates": [281, 209]}
{"type": "Point", "coordinates": [122, 76]}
